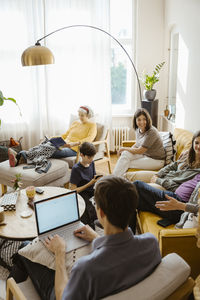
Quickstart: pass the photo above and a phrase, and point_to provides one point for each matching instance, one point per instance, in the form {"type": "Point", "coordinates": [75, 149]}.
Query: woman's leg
{"type": "Point", "coordinates": [124, 162]}
{"type": "Point", "coordinates": [147, 163]}
{"type": "Point", "coordinates": [65, 152]}
{"type": "Point", "coordinates": [148, 196]}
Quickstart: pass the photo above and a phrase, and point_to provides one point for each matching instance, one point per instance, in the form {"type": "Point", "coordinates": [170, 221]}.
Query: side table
{"type": "Point", "coordinates": [18, 228]}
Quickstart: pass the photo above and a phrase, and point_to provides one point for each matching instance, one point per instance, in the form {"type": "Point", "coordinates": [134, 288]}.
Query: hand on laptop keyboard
{"type": "Point", "coordinates": [86, 233]}
{"type": "Point", "coordinates": [55, 243]}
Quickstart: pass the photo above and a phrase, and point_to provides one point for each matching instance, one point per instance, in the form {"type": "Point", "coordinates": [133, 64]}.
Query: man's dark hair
{"type": "Point", "coordinates": [143, 112]}
{"type": "Point", "coordinates": [88, 149]}
{"type": "Point", "coordinates": [118, 198]}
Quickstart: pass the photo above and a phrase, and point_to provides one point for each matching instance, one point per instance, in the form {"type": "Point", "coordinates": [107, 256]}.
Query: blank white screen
{"type": "Point", "coordinates": [56, 212]}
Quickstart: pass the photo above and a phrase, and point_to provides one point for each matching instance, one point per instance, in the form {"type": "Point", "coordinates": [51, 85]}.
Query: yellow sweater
{"type": "Point", "coordinates": [80, 132]}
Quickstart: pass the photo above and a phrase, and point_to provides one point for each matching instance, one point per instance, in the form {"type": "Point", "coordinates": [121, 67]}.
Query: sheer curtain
{"type": "Point", "coordinates": [47, 95]}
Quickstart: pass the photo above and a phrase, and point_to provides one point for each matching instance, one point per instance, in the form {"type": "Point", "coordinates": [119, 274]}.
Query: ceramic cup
{"type": "Point", "coordinates": [30, 192]}
{"type": "Point", "coordinates": [2, 216]}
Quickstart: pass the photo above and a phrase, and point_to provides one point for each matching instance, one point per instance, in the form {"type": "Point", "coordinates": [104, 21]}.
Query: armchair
{"type": "Point", "coordinates": [101, 143]}
{"type": "Point", "coordinates": [169, 281]}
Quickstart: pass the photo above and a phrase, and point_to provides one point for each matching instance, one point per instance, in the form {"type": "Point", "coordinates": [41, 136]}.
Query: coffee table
{"type": "Point", "coordinates": [18, 228]}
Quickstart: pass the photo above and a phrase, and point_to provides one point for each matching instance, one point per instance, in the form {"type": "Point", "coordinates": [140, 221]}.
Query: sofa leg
{"type": "Point", "coordinates": [109, 167]}
{"type": "Point", "coordinates": [3, 189]}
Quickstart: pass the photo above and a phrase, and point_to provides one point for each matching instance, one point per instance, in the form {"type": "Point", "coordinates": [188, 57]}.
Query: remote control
{"type": "Point", "coordinates": [39, 191]}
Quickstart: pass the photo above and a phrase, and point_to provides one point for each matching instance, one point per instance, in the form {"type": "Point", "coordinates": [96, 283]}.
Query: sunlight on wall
{"type": "Point", "coordinates": [183, 63]}
{"type": "Point", "coordinates": [180, 112]}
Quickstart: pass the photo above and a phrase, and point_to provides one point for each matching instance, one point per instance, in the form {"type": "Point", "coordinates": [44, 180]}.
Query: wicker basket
{"type": "Point", "coordinates": [4, 145]}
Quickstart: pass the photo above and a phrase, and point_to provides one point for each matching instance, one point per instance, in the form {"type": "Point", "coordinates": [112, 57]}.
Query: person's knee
{"type": "Point", "coordinates": [138, 183]}
{"type": "Point", "coordinates": [127, 155]}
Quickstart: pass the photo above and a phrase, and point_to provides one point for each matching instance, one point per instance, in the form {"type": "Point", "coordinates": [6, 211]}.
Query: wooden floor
{"type": "Point", "coordinates": [103, 168]}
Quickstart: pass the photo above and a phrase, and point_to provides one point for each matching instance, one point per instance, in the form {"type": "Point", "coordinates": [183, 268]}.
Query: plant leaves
{"type": "Point", "coordinates": [12, 99]}
{"type": "Point", "coordinates": [1, 98]}
{"type": "Point", "coordinates": [149, 81]}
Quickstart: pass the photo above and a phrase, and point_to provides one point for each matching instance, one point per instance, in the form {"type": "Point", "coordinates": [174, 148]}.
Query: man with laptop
{"type": "Point", "coordinates": [59, 215]}
{"type": "Point", "coordinates": [118, 260]}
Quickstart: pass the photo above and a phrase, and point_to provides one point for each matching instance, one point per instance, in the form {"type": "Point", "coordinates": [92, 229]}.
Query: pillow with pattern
{"type": "Point", "coordinates": [169, 146]}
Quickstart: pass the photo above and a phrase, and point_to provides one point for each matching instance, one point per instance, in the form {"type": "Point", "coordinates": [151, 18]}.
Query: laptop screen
{"type": "Point", "coordinates": [56, 211]}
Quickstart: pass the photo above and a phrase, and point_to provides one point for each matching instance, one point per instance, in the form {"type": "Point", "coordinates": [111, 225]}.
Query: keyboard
{"type": "Point", "coordinates": [67, 233]}
{"type": "Point", "coordinates": [8, 201]}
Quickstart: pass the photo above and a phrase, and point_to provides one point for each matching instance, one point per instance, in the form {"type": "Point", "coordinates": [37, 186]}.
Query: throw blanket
{"type": "Point", "coordinates": [39, 155]}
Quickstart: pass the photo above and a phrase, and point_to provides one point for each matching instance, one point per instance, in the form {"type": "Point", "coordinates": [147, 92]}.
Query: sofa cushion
{"type": "Point", "coordinates": [148, 223]}
{"type": "Point", "coordinates": [71, 160]}
{"type": "Point", "coordinates": [57, 170]}
{"type": "Point", "coordinates": [28, 289]}
{"type": "Point", "coordinates": [171, 273]}
{"type": "Point", "coordinates": [183, 140]}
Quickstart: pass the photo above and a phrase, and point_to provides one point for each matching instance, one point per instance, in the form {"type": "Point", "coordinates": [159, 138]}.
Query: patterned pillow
{"type": "Point", "coordinates": [169, 146]}
{"type": "Point", "coordinates": [38, 253]}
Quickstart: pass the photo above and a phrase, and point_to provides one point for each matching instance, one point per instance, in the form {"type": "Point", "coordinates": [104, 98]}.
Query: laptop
{"type": "Point", "coordinates": [59, 215]}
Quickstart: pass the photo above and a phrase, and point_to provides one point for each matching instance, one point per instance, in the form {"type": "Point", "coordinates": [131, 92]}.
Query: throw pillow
{"type": "Point", "coordinates": [38, 253]}
{"type": "Point", "coordinates": [169, 146]}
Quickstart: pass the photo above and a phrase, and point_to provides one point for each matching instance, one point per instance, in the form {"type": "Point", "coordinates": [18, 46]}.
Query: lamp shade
{"type": "Point", "coordinates": [37, 55]}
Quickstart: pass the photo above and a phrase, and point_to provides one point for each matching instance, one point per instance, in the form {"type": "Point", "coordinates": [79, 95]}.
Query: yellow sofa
{"type": "Point", "coordinates": [180, 241]}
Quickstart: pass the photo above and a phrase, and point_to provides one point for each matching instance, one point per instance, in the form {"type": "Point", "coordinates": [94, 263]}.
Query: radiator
{"type": "Point", "coordinates": [119, 134]}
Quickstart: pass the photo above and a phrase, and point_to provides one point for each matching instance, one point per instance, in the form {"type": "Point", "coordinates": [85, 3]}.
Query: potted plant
{"type": "Point", "coordinates": [3, 99]}
{"type": "Point", "coordinates": [17, 182]}
{"type": "Point", "coordinates": [149, 81]}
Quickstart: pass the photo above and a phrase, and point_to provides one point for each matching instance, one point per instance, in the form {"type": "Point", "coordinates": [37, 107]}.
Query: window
{"type": "Point", "coordinates": [122, 75]}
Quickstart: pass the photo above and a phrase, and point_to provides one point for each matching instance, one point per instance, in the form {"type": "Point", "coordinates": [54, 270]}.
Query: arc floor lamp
{"type": "Point", "coordinates": [41, 55]}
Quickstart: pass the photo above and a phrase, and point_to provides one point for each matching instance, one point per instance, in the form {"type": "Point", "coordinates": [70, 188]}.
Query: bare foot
{"type": "Point", "coordinates": [12, 157]}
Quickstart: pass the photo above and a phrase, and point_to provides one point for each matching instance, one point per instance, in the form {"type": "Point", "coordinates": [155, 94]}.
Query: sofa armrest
{"type": "Point", "coordinates": [177, 232]}
{"type": "Point", "coordinates": [182, 242]}
{"type": "Point", "coordinates": [128, 143]}
{"type": "Point", "coordinates": [14, 290]}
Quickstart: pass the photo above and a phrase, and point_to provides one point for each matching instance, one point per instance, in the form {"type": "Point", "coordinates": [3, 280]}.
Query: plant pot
{"type": "Point", "coordinates": [149, 94]}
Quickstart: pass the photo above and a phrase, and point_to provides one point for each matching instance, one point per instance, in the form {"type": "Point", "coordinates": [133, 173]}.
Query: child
{"type": "Point", "coordinates": [83, 178]}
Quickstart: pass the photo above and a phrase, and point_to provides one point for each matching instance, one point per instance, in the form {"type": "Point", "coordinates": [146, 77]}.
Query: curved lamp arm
{"type": "Point", "coordinates": [26, 60]}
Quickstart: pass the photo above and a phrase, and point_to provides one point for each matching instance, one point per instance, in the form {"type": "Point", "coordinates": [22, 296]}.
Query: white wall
{"type": "Point", "coordinates": [149, 51]}
{"type": "Point", "coordinates": [184, 16]}
{"type": "Point", "coordinates": [150, 42]}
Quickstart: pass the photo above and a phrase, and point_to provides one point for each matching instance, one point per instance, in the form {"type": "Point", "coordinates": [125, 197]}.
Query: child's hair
{"type": "Point", "coordinates": [118, 198]}
{"type": "Point", "coordinates": [143, 112]}
{"type": "Point", "coordinates": [88, 149]}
